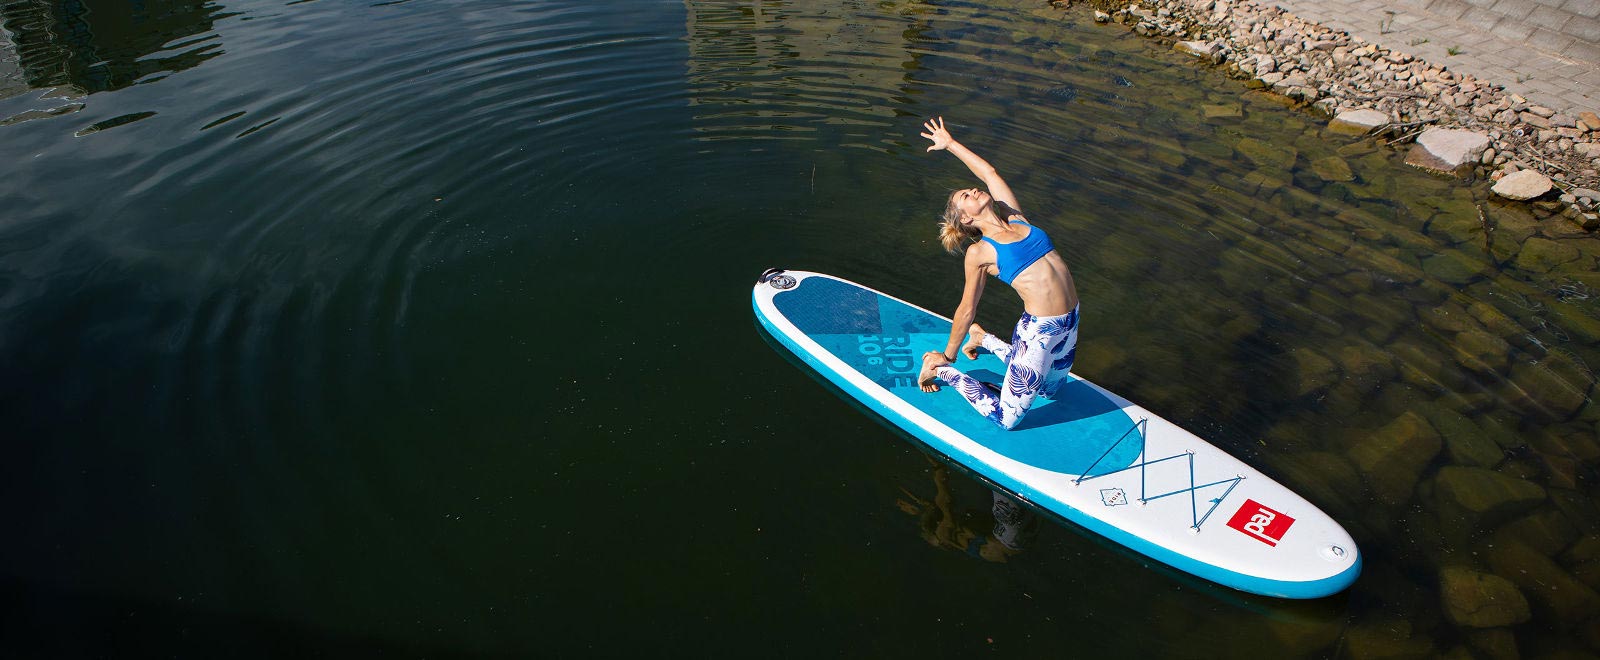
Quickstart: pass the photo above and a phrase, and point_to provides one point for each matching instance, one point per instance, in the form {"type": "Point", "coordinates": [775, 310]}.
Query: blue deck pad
{"type": "Point", "coordinates": [884, 339]}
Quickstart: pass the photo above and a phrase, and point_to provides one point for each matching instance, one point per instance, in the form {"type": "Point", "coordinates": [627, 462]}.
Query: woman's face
{"type": "Point", "coordinates": [971, 201]}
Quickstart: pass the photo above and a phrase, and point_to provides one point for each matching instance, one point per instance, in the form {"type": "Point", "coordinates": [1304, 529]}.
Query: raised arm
{"type": "Point", "coordinates": [980, 167]}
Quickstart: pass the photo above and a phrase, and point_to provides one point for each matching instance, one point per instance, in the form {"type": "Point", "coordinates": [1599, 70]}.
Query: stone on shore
{"type": "Point", "coordinates": [1357, 122]}
{"type": "Point", "coordinates": [1195, 48]}
{"type": "Point", "coordinates": [1447, 150]}
{"type": "Point", "coordinates": [1393, 457]}
{"type": "Point", "coordinates": [1481, 600]}
{"type": "Point", "coordinates": [1522, 185]}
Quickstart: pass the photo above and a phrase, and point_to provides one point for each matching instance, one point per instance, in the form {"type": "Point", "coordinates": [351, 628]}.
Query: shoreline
{"type": "Point", "coordinates": [1453, 124]}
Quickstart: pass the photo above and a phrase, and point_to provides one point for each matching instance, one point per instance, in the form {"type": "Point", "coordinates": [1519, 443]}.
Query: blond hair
{"type": "Point", "coordinates": [952, 233]}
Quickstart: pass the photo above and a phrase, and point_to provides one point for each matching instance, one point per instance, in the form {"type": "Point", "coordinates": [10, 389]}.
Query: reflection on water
{"type": "Point", "coordinates": [779, 71]}
{"type": "Point", "coordinates": [404, 326]}
{"type": "Point", "coordinates": [104, 45]}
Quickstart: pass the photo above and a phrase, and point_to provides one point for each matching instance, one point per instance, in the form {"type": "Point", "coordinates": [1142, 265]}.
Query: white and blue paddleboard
{"type": "Point", "coordinates": [1088, 455]}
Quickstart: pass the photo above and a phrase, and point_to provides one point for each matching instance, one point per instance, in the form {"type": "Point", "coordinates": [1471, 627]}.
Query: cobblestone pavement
{"type": "Point", "coordinates": [1546, 50]}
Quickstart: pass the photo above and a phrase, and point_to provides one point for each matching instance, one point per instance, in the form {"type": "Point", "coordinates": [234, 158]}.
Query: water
{"type": "Point", "coordinates": [423, 328]}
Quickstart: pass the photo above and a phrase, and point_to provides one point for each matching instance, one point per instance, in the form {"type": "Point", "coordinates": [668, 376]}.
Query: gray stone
{"type": "Point", "coordinates": [1447, 150]}
{"type": "Point", "coordinates": [1392, 458]}
{"type": "Point", "coordinates": [1195, 48]}
{"type": "Point", "coordinates": [1481, 600]}
{"type": "Point", "coordinates": [1523, 185]}
{"type": "Point", "coordinates": [1357, 122]}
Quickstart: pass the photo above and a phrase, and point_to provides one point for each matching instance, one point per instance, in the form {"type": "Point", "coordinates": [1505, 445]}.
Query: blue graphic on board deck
{"type": "Point", "coordinates": [884, 340]}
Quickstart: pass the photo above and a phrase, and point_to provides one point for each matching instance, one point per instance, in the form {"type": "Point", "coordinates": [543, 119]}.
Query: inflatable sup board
{"type": "Point", "coordinates": [1088, 455]}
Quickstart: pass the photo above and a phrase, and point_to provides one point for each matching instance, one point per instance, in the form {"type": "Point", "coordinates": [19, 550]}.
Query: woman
{"type": "Point", "coordinates": [1002, 243]}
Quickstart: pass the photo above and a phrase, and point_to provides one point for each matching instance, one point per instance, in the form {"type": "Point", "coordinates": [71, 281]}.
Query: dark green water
{"type": "Point", "coordinates": [423, 328]}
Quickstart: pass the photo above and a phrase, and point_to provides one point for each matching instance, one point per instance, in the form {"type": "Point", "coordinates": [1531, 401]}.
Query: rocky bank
{"type": "Point", "coordinates": [1451, 123]}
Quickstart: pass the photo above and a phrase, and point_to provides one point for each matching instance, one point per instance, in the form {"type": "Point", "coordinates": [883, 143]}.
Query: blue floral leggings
{"type": "Point", "coordinates": [1037, 361]}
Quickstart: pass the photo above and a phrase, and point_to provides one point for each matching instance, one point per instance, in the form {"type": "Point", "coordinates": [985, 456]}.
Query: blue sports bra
{"type": "Point", "coordinates": [1014, 257]}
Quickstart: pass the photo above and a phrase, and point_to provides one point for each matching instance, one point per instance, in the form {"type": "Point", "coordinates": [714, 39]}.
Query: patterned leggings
{"type": "Point", "coordinates": [1037, 361]}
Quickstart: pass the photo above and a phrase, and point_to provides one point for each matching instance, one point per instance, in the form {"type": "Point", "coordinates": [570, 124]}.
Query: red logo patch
{"type": "Point", "coordinates": [1261, 522]}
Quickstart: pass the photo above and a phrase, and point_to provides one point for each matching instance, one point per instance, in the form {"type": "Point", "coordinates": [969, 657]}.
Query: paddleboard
{"type": "Point", "coordinates": [1088, 455]}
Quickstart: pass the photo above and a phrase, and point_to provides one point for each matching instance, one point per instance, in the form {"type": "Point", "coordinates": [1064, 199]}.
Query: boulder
{"type": "Point", "coordinates": [1546, 530]}
{"type": "Point", "coordinates": [1544, 582]}
{"type": "Point", "coordinates": [1464, 443]}
{"type": "Point", "coordinates": [1357, 122]}
{"type": "Point", "coordinates": [1455, 267]}
{"type": "Point", "coordinates": [1556, 387]}
{"type": "Point", "coordinates": [1267, 155]}
{"type": "Point", "coordinates": [1447, 150]}
{"type": "Point", "coordinates": [1481, 600]}
{"type": "Point", "coordinates": [1480, 351]}
{"type": "Point", "coordinates": [1392, 458]}
{"type": "Point", "coordinates": [1522, 185]}
{"type": "Point", "coordinates": [1589, 120]}
{"type": "Point", "coordinates": [1195, 48]}
{"type": "Point", "coordinates": [1386, 640]}
{"type": "Point", "coordinates": [1222, 111]}
{"type": "Point", "coordinates": [1541, 255]}
{"type": "Point", "coordinates": [1484, 498]}
{"type": "Point", "coordinates": [1333, 168]}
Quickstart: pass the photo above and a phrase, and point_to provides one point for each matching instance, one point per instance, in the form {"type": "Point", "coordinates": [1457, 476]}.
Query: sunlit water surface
{"type": "Point", "coordinates": [424, 327]}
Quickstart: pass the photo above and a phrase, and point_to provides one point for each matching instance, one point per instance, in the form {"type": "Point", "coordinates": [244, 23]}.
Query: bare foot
{"type": "Point", "coordinates": [931, 361]}
{"type": "Point", "coordinates": [975, 336]}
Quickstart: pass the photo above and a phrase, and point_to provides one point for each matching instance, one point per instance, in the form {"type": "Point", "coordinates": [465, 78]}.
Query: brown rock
{"type": "Point", "coordinates": [1481, 600]}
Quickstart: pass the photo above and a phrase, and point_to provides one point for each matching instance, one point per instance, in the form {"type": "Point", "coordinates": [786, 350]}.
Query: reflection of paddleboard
{"type": "Point", "coordinates": [1089, 456]}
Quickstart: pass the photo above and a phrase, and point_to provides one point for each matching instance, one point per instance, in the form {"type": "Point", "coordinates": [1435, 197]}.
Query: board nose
{"type": "Point", "coordinates": [767, 275]}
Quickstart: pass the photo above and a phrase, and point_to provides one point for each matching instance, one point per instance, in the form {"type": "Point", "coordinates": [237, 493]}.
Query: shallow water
{"type": "Point", "coordinates": [424, 328]}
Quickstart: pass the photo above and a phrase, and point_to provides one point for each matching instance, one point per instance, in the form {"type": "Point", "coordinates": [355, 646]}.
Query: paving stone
{"type": "Point", "coordinates": [1514, 8]}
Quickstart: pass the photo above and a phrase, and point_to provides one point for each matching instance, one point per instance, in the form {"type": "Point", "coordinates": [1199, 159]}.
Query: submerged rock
{"type": "Point", "coordinates": [1464, 443]}
{"type": "Point", "coordinates": [1555, 387]}
{"type": "Point", "coordinates": [1546, 530]}
{"type": "Point", "coordinates": [1522, 185]}
{"type": "Point", "coordinates": [1447, 150]}
{"type": "Point", "coordinates": [1222, 111]}
{"type": "Point", "coordinates": [1542, 255]}
{"type": "Point", "coordinates": [1393, 457]}
{"type": "Point", "coordinates": [1544, 582]}
{"type": "Point", "coordinates": [1484, 498]}
{"type": "Point", "coordinates": [1333, 168]}
{"type": "Point", "coordinates": [1455, 267]}
{"type": "Point", "coordinates": [1481, 600]}
{"type": "Point", "coordinates": [1267, 155]}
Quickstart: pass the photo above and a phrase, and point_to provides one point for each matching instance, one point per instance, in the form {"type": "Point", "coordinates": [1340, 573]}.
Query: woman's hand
{"type": "Point", "coordinates": [941, 138]}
